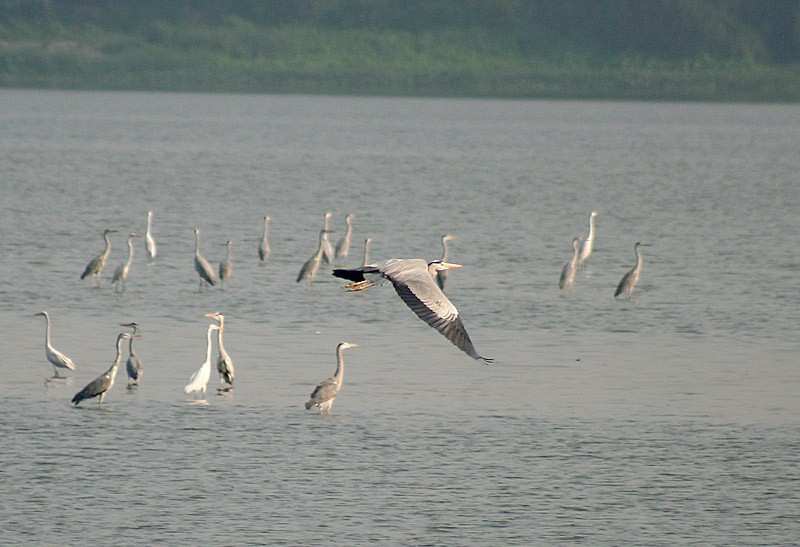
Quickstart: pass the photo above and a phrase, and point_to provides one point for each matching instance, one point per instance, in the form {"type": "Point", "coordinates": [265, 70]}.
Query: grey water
{"type": "Point", "coordinates": [672, 418]}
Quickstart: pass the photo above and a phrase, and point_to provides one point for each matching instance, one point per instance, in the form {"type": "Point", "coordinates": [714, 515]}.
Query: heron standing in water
{"type": "Point", "coordinates": [263, 247]}
{"type": "Point", "coordinates": [441, 275]}
{"type": "Point", "coordinates": [630, 279]}
{"type": "Point", "coordinates": [198, 382]}
{"type": "Point", "coordinates": [56, 358]}
{"type": "Point", "coordinates": [326, 391]}
{"type": "Point", "coordinates": [413, 280]}
{"type": "Point", "coordinates": [96, 265]}
{"type": "Point", "coordinates": [226, 266]}
{"type": "Point", "coordinates": [133, 365]}
{"type": "Point", "coordinates": [224, 361]}
{"type": "Point", "coordinates": [201, 265]}
{"type": "Point", "coordinates": [311, 267]}
{"type": "Point", "coordinates": [120, 278]}
{"type": "Point", "coordinates": [567, 280]}
{"type": "Point", "coordinates": [103, 383]}
{"type": "Point", "coordinates": [587, 244]}
{"type": "Point", "coordinates": [149, 241]}
{"type": "Point", "coordinates": [327, 248]}
{"type": "Point", "coordinates": [343, 245]}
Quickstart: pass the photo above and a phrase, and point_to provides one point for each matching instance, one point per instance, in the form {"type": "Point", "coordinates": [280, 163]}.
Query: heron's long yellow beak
{"type": "Point", "coordinates": [452, 265]}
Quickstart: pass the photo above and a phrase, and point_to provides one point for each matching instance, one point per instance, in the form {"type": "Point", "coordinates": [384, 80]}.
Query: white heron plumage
{"type": "Point", "coordinates": [149, 241]}
{"type": "Point", "coordinates": [343, 245]}
{"type": "Point", "coordinates": [587, 243]}
{"type": "Point", "coordinates": [198, 382]}
{"type": "Point", "coordinates": [328, 253]}
{"type": "Point", "coordinates": [55, 357]}
{"type": "Point", "coordinates": [120, 278]}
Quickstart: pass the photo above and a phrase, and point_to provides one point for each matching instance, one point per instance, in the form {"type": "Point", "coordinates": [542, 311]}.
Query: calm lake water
{"type": "Point", "coordinates": [673, 418]}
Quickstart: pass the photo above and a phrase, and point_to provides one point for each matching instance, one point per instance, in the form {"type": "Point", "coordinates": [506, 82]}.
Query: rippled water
{"type": "Point", "coordinates": [672, 418]}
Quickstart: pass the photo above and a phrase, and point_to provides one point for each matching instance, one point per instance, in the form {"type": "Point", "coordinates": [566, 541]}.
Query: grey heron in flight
{"type": "Point", "coordinates": [327, 248]}
{"type": "Point", "coordinates": [263, 247]}
{"type": "Point", "coordinates": [133, 365]}
{"type": "Point", "coordinates": [224, 361]}
{"type": "Point", "coordinates": [201, 265]}
{"type": "Point", "coordinates": [56, 358]}
{"type": "Point", "coordinates": [567, 280]}
{"type": "Point", "coordinates": [103, 383]}
{"type": "Point", "coordinates": [149, 241]}
{"type": "Point", "coordinates": [441, 275]}
{"type": "Point", "coordinates": [97, 264]}
{"type": "Point", "coordinates": [198, 382]}
{"type": "Point", "coordinates": [311, 266]}
{"type": "Point", "coordinates": [120, 278]}
{"type": "Point", "coordinates": [587, 243]}
{"type": "Point", "coordinates": [343, 245]}
{"type": "Point", "coordinates": [226, 266]}
{"type": "Point", "coordinates": [326, 391]}
{"type": "Point", "coordinates": [413, 280]}
{"type": "Point", "coordinates": [630, 279]}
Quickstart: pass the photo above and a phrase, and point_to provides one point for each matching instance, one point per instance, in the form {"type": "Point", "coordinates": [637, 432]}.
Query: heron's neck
{"type": "Point", "coordinates": [107, 249]}
{"type": "Point", "coordinates": [444, 250]}
{"type": "Point", "coordinates": [220, 339]}
{"type": "Point", "coordinates": [590, 237]}
{"type": "Point", "coordinates": [130, 251]}
{"type": "Point", "coordinates": [266, 230]}
{"type": "Point", "coordinates": [366, 253]}
{"type": "Point", "coordinates": [349, 231]}
{"type": "Point", "coordinates": [639, 261]}
{"type": "Point", "coordinates": [149, 222]}
{"type": "Point", "coordinates": [339, 374]}
{"type": "Point", "coordinates": [576, 251]}
{"type": "Point", "coordinates": [47, 331]}
{"type": "Point", "coordinates": [117, 357]}
{"type": "Point", "coordinates": [196, 244]}
{"type": "Point", "coordinates": [228, 254]}
{"type": "Point", "coordinates": [130, 346]}
{"type": "Point", "coordinates": [208, 346]}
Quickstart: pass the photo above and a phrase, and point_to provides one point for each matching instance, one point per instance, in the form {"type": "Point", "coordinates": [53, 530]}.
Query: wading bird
{"type": "Point", "coordinates": [567, 280]}
{"type": "Point", "coordinates": [343, 245]}
{"type": "Point", "coordinates": [413, 279]}
{"type": "Point", "coordinates": [56, 358]}
{"type": "Point", "coordinates": [224, 361]}
{"type": "Point", "coordinates": [263, 247]}
{"type": "Point", "coordinates": [630, 279]}
{"type": "Point", "coordinates": [226, 266]}
{"type": "Point", "coordinates": [326, 391]}
{"type": "Point", "coordinates": [149, 242]}
{"type": "Point", "coordinates": [120, 278]}
{"type": "Point", "coordinates": [97, 264]}
{"type": "Point", "coordinates": [441, 275]}
{"type": "Point", "coordinates": [133, 365]}
{"type": "Point", "coordinates": [327, 247]}
{"type": "Point", "coordinates": [201, 265]}
{"type": "Point", "coordinates": [311, 267]}
{"type": "Point", "coordinates": [198, 382]}
{"type": "Point", "coordinates": [587, 244]}
{"type": "Point", "coordinates": [365, 261]}
{"type": "Point", "coordinates": [103, 383]}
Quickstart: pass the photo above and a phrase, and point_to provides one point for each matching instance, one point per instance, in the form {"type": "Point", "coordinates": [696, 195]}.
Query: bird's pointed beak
{"type": "Point", "coordinates": [451, 265]}
{"type": "Point", "coordinates": [353, 345]}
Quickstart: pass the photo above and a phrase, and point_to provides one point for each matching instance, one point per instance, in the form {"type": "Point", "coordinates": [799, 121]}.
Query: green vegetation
{"type": "Point", "coordinates": [653, 49]}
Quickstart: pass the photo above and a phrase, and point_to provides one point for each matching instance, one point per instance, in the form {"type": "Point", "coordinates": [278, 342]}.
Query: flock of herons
{"type": "Point", "coordinates": [418, 282]}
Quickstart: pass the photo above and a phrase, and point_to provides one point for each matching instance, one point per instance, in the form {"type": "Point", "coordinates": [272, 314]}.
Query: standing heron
{"type": "Point", "coordinates": [326, 391]}
{"type": "Point", "coordinates": [103, 383]}
{"type": "Point", "coordinates": [441, 275]}
{"type": "Point", "coordinates": [198, 382]}
{"type": "Point", "coordinates": [149, 242]}
{"type": "Point", "coordinates": [224, 361]}
{"type": "Point", "coordinates": [226, 266]}
{"type": "Point", "coordinates": [343, 245]}
{"type": "Point", "coordinates": [263, 247]}
{"type": "Point", "coordinates": [311, 267]}
{"type": "Point", "coordinates": [133, 365]}
{"type": "Point", "coordinates": [120, 278]}
{"type": "Point", "coordinates": [327, 248]}
{"type": "Point", "coordinates": [630, 279]}
{"type": "Point", "coordinates": [567, 280]}
{"type": "Point", "coordinates": [97, 264]}
{"type": "Point", "coordinates": [413, 280]}
{"type": "Point", "coordinates": [201, 265]}
{"type": "Point", "coordinates": [56, 358]}
{"type": "Point", "coordinates": [587, 244]}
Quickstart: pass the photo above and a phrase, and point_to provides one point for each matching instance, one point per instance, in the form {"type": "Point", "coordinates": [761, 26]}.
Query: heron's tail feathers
{"type": "Point", "coordinates": [77, 398]}
{"type": "Point", "coordinates": [309, 404]}
{"type": "Point", "coordinates": [355, 274]}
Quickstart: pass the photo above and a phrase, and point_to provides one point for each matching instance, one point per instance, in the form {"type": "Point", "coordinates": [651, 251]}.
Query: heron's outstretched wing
{"type": "Point", "coordinates": [420, 292]}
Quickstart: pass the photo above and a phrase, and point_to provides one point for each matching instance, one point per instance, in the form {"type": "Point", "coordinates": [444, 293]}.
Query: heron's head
{"type": "Point", "coordinates": [109, 231]}
{"type": "Point", "coordinates": [349, 218]}
{"type": "Point", "coordinates": [123, 336]}
{"type": "Point", "coordinates": [196, 230]}
{"type": "Point", "coordinates": [132, 325]}
{"type": "Point", "coordinates": [438, 265]}
{"type": "Point", "coordinates": [368, 240]}
{"type": "Point", "coordinates": [346, 345]}
{"type": "Point", "coordinates": [42, 313]}
{"type": "Point", "coordinates": [216, 316]}
{"type": "Point", "coordinates": [328, 215]}
{"type": "Point", "coordinates": [594, 214]}
{"type": "Point", "coordinates": [640, 244]}
{"type": "Point", "coordinates": [227, 243]}
{"type": "Point", "coordinates": [575, 242]}
{"type": "Point", "coordinates": [134, 234]}
{"type": "Point", "coordinates": [267, 219]}
{"type": "Point", "coordinates": [149, 213]}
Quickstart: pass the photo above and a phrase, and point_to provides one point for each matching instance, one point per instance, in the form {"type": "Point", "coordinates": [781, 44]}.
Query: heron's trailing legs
{"type": "Point", "coordinates": [359, 285]}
